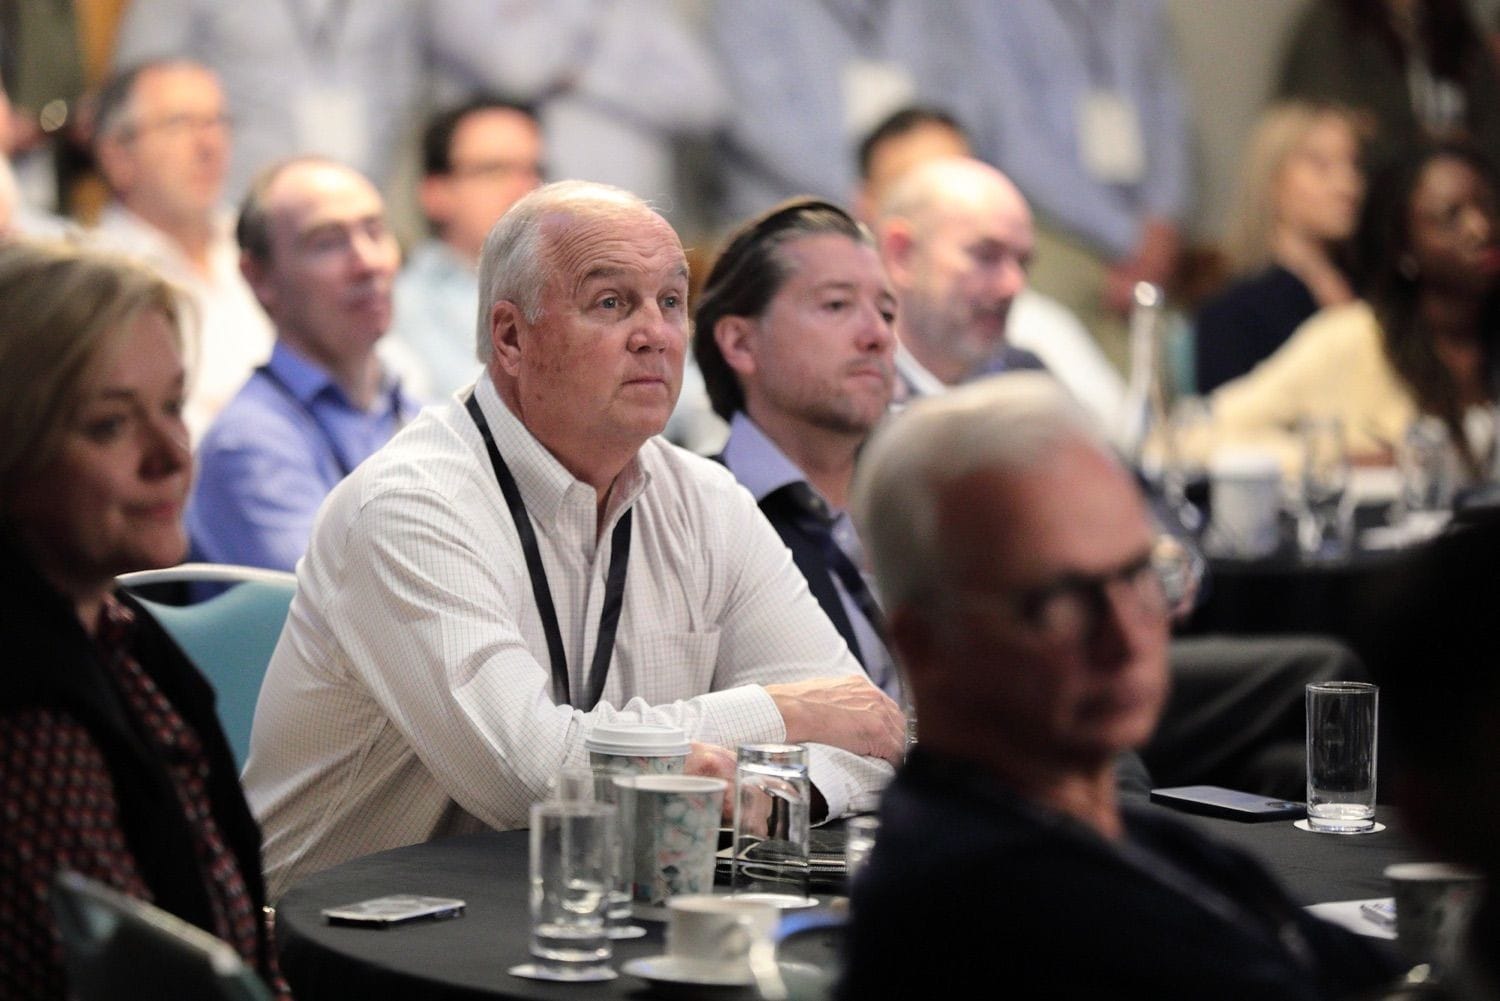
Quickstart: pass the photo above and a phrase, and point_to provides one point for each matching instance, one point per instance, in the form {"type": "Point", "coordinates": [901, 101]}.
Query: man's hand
{"type": "Point", "coordinates": [714, 762]}
{"type": "Point", "coordinates": [846, 712]}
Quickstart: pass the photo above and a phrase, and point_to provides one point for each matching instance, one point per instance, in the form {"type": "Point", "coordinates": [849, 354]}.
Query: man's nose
{"type": "Point", "coordinates": [875, 332]}
{"type": "Point", "coordinates": [654, 329]}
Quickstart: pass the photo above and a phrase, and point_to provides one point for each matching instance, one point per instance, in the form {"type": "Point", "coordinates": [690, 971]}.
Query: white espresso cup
{"type": "Point", "coordinates": [639, 748]}
{"type": "Point", "coordinates": [1246, 501]}
{"type": "Point", "coordinates": [714, 934]}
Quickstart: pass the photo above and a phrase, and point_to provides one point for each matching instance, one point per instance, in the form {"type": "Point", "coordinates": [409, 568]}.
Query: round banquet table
{"type": "Point", "coordinates": [467, 957]}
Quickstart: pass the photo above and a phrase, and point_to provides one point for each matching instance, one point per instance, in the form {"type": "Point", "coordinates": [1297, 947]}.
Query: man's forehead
{"type": "Point", "coordinates": [831, 258]}
{"type": "Point", "coordinates": [307, 194]}
{"type": "Point", "coordinates": [176, 83]}
{"type": "Point", "coordinates": [1071, 509]}
{"type": "Point", "coordinates": [627, 239]}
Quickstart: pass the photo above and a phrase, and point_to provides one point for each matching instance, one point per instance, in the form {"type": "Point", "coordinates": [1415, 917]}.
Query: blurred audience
{"type": "Point", "coordinates": [615, 82]}
{"type": "Point", "coordinates": [956, 239]}
{"type": "Point", "coordinates": [162, 139]}
{"type": "Point", "coordinates": [1417, 70]}
{"type": "Point", "coordinates": [1421, 340]}
{"type": "Point", "coordinates": [1033, 635]}
{"type": "Point", "coordinates": [321, 259]}
{"type": "Point", "coordinates": [1287, 241]}
{"type": "Point", "coordinates": [1081, 105]}
{"type": "Point", "coordinates": [114, 762]}
{"type": "Point", "coordinates": [807, 81]}
{"type": "Point", "coordinates": [477, 159]}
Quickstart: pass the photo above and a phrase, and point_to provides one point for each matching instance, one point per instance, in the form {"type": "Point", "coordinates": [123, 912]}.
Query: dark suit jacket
{"type": "Point", "coordinates": [807, 553]}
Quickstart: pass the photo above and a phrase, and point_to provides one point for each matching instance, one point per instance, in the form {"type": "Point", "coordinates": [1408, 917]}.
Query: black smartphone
{"type": "Point", "coordinates": [382, 912]}
{"type": "Point", "coordinates": [1216, 801]}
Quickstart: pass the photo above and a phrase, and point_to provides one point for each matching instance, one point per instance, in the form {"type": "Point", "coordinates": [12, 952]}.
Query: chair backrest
{"type": "Point", "coordinates": [117, 948]}
{"type": "Point", "coordinates": [230, 638]}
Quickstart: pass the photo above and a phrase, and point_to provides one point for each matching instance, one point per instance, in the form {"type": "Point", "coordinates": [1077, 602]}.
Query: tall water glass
{"type": "Point", "coordinates": [772, 807]}
{"type": "Point", "coordinates": [595, 784]}
{"type": "Point", "coordinates": [1422, 458]}
{"type": "Point", "coordinates": [572, 861]}
{"type": "Point", "coordinates": [1342, 735]}
{"type": "Point", "coordinates": [1324, 525]}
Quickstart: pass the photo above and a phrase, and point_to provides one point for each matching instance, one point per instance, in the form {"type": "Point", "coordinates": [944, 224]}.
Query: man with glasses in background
{"type": "Point", "coordinates": [161, 139]}
{"type": "Point", "coordinates": [477, 160]}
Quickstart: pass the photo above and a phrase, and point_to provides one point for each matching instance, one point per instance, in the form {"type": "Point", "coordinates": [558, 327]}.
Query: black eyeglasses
{"type": "Point", "coordinates": [1073, 606]}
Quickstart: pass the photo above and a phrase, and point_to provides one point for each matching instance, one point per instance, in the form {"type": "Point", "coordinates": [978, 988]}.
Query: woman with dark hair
{"type": "Point", "coordinates": [1423, 338]}
{"type": "Point", "coordinates": [112, 762]}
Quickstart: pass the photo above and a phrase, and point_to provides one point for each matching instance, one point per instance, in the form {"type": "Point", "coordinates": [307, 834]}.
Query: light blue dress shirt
{"type": "Point", "coordinates": [273, 454]}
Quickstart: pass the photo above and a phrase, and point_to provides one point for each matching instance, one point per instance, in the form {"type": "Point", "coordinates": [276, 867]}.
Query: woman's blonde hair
{"type": "Point", "coordinates": [1252, 219]}
{"type": "Point", "coordinates": [64, 311]}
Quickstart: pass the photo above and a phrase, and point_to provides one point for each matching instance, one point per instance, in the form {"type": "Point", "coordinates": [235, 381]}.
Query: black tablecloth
{"type": "Point", "coordinates": [467, 957]}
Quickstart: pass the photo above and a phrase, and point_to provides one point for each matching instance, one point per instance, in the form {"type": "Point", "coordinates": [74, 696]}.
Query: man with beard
{"type": "Point", "coordinates": [796, 343]}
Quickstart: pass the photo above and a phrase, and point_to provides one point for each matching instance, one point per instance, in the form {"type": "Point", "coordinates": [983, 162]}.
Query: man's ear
{"type": "Point", "coordinates": [435, 195]}
{"type": "Point", "coordinates": [896, 248]}
{"type": "Point", "coordinates": [258, 276]}
{"type": "Point", "coordinates": [116, 163]}
{"type": "Point", "coordinates": [508, 328]}
{"type": "Point", "coordinates": [735, 336]}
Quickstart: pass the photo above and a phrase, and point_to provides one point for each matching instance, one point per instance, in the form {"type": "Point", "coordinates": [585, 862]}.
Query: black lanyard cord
{"type": "Point", "coordinates": [614, 585]}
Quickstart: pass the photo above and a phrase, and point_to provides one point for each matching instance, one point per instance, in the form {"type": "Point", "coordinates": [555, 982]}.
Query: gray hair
{"type": "Point", "coordinates": [513, 265]}
{"type": "Point", "coordinates": [1007, 422]}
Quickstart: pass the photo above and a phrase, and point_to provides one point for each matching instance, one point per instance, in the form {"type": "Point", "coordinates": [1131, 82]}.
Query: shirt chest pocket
{"type": "Point", "coordinates": [666, 666]}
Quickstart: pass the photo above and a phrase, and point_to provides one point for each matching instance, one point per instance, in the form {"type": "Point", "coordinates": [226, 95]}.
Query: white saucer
{"type": "Point", "coordinates": [593, 974]}
{"type": "Point", "coordinates": [673, 971]}
{"type": "Point", "coordinates": [1303, 825]}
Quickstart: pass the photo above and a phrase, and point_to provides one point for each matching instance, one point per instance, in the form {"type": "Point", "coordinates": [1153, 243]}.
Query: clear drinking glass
{"type": "Point", "coordinates": [859, 841]}
{"type": "Point", "coordinates": [1342, 735]}
{"type": "Point", "coordinates": [1323, 523]}
{"type": "Point", "coordinates": [1422, 459]}
{"type": "Point", "coordinates": [572, 871]}
{"type": "Point", "coordinates": [772, 803]}
{"type": "Point", "coordinates": [596, 784]}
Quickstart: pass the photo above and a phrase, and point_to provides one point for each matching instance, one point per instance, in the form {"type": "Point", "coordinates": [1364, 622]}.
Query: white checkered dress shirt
{"type": "Point", "coordinates": [410, 694]}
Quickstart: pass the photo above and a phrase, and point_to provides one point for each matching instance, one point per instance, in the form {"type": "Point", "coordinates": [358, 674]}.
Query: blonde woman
{"type": "Point", "coordinates": [112, 762]}
{"type": "Point", "coordinates": [1298, 202]}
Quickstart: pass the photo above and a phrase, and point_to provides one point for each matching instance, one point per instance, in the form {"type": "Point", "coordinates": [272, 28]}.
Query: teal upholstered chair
{"type": "Point", "coordinates": [118, 948]}
{"type": "Point", "coordinates": [229, 637]}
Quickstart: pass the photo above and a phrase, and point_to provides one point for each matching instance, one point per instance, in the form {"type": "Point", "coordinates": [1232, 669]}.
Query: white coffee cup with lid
{"type": "Point", "coordinates": [1246, 501]}
{"type": "Point", "coordinates": [639, 748]}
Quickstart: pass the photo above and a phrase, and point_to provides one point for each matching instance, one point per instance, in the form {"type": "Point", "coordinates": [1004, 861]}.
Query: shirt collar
{"type": "Point", "coordinates": [308, 381]}
{"type": "Point", "coordinates": [914, 377]}
{"type": "Point", "coordinates": [754, 459]}
{"type": "Point", "coordinates": [544, 482]}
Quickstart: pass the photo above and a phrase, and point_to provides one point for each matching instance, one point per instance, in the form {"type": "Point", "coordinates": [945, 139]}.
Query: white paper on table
{"type": "Point", "coordinates": [1347, 914]}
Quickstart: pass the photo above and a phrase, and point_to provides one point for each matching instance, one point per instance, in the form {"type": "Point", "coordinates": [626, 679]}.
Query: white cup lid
{"type": "Point", "coordinates": [646, 740]}
{"type": "Point", "coordinates": [1244, 464]}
